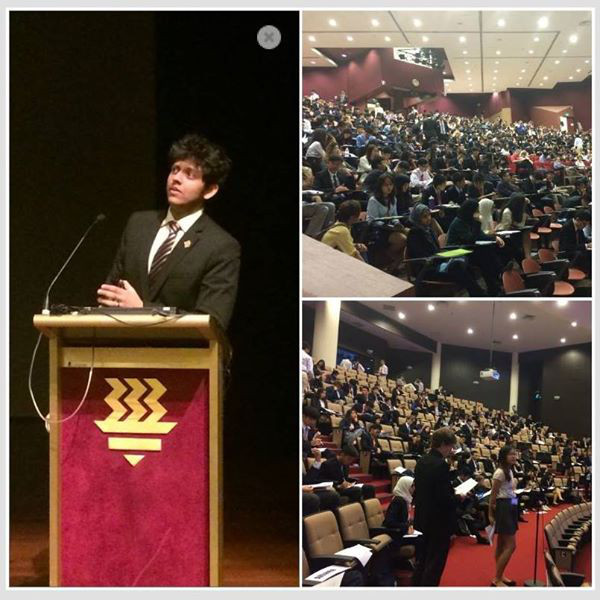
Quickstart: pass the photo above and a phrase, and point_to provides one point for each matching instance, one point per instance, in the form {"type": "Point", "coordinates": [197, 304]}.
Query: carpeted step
{"type": "Point", "coordinates": [384, 497]}
{"type": "Point", "coordinates": [362, 477]}
{"type": "Point", "coordinates": [381, 485]}
{"type": "Point", "coordinates": [354, 469]}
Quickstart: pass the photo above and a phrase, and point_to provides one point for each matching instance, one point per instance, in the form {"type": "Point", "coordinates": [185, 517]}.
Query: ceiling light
{"type": "Point", "coordinates": [498, 52]}
{"type": "Point", "coordinates": [468, 78]}
{"type": "Point", "coordinates": [518, 83]}
{"type": "Point", "coordinates": [383, 82]}
{"type": "Point", "coordinates": [312, 38]}
{"type": "Point", "coordinates": [541, 84]}
{"type": "Point", "coordinates": [344, 56]}
{"type": "Point", "coordinates": [587, 62]}
{"type": "Point", "coordinates": [495, 70]}
{"type": "Point", "coordinates": [542, 23]}
{"type": "Point", "coordinates": [530, 51]}
{"type": "Point", "coordinates": [332, 22]}
{"type": "Point", "coordinates": [470, 331]}
{"type": "Point", "coordinates": [545, 77]}
{"type": "Point", "coordinates": [375, 22]}
{"type": "Point", "coordinates": [501, 22]}
{"type": "Point", "coordinates": [573, 323]}
{"type": "Point", "coordinates": [536, 39]}
{"type": "Point", "coordinates": [570, 76]}
{"type": "Point", "coordinates": [515, 336]}
{"type": "Point", "coordinates": [401, 315]}
{"type": "Point", "coordinates": [465, 52]}
{"type": "Point", "coordinates": [430, 307]}
{"type": "Point", "coordinates": [573, 38]}
{"type": "Point", "coordinates": [512, 316]}
{"type": "Point", "coordinates": [388, 38]}
{"type": "Point", "coordinates": [497, 62]}
{"type": "Point", "coordinates": [564, 51]}
{"type": "Point", "coordinates": [312, 62]}
{"type": "Point", "coordinates": [520, 78]}
{"type": "Point", "coordinates": [578, 70]}
{"type": "Point", "coordinates": [417, 22]}
{"type": "Point", "coordinates": [522, 70]}
{"type": "Point", "coordinates": [557, 62]}
{"type": "Point", "coordinates": [562, 303]}
{"type": "Point", "coordinates": [466, 62]}
{"type": "Point", "coordinates": [425, 38]}
{"type": "Point", "coordinates": [462, 39]}
{"type": "Point", "coordinates": [563, 340]}
{"type": "Point", "coordinates": [494, 78]}
{"type": "Point", "coordinates": [350, 38]}
{"type": "Point", "coordinates": [468, 71]}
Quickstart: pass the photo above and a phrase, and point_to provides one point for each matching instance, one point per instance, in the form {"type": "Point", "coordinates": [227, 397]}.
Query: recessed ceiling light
{"type": "Point", "coordinates": [444, 73]}
{"type": "Point", "coordinates": [468, 71]}
{"type": "Point", "coordinates": [425, 38]}
{"type": "Point", "coordinates": [501, 22]}
{"type": "Point", "coordinates": [564, 51]}
{"type": "Point", "coordinates": [312, 62]}
{"type": "Point", "coordinates": [344, 56]}
{"type": "Point", "coordinates": [573, 323]}
{"type": "Point", "coordinates": [522, 70]}
{"type": "Point", "coordinates": [470, 331]}
{"type": "Point", "coordinates": [573, 38]}
{"type": "Point", "coordinates": [312, 38]}
{"type": "Point", "coordinates": [562, 303]}
{"type": "Point", "coordinates": [515, 336]}
{"type": "Point", "coordinates": [536, 39]}
{"type": "Point", "coordinates": [375, 22]}
{"type": "Point", "coordinates": [417, 22]}
{"type": "Point", "coordinates": [332, 22]}
{"type": "Point", "coordinates": [557, 62]}
{"type": "Point", "coordinates": [495, 70]}
{"type": "Point", "coordinates": [466, 62]}
{"type": "Point", "coordinates": [587, 62]}
{"type": "Point", "coordinates": [570, 76]}
{"type": "Point", "coordinates": [512, 316]}
{"type": "Point", "coordinates": [518, 83]}
{"type": "Point", "coordinates": [494, 78]}
{"type": "Point", "coordinates": [542, 23]}
{"type": "Point", "coordinates": [563, 340]}
{"type": "Point", "coordinates": [545, 77]}
{"type": "Point", "coordinates": [383, 82]}
{"type": "Point", "coordinates": [469, 78]}
{"type": "Point", "coordinates": [578, 70]}
{"type": "Point", "coordinates": [462, 39]}
{"type": "Point", "coordinates": [388, 38]}
{"type": "Point", "coordinates": [498, 52]}
{"type": "Point", "coordinates": [401, 315]}
{"type": "Point", "coordinates": [430, 307]}
{"type": "Point", "coordinates": [350, 38]}
{"type": "Point", "coordinates": [465, 52]}
{"type": "Point", "coordinates": [520, 78]}
{"type": "Point", "coordinates": [530, 51]}
{"type": "Point", "coordinates": [497, 62]}
{"type": "Point", "coordinates": [541, 84]}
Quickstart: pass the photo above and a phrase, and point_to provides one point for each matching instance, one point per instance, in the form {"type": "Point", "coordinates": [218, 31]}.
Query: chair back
{"type": "Point", "coordinates": [546, 255]}
{"type": "Point", "coordinates": [552, 571]}
{"type": "Point", "coordinates": [512, 281]}
{"type": "Point", "coordinates": [530, 266]}
{"type": "Point", "coordinates": [322, 534]}
{"type": "Point", "coordinates": [353, 525]}
{"type": "Point", "coordinates": [374, 512]}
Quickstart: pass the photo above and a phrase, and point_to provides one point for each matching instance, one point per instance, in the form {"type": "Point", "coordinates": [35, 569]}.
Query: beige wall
{"type": "Point", "coordinates": [505, 115]}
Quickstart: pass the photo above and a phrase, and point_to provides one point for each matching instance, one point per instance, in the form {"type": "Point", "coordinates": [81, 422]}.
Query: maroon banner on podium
{"type": "Point", "coordinates": [134, 478]}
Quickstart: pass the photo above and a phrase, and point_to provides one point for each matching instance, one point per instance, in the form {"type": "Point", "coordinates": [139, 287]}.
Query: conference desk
{"type": "Point", "coordinates": [327, 272]}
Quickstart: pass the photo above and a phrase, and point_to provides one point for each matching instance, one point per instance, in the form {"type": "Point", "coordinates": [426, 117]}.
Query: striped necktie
{"type": "Point", "coordinates": [160, 258]}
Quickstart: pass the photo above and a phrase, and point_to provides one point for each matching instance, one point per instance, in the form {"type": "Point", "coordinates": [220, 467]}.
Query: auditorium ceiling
{"type": "Point", "coordinates": [487, 51]}
{"type": "Point", "coordinates": [539, 324]}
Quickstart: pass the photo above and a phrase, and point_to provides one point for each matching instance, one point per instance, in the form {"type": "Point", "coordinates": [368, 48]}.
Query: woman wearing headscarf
{"type": "Point", "coordinates": [465, 230]}
{"type": "Point", "coordinates": [398, 511]}
{"type": "Point", "coordinates": [514, 216]}
{"type": "Point", "coordinates": [422, 242]}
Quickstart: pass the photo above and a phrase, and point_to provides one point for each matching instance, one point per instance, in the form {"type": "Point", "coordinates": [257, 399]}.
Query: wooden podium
{"type": "Point", "coordinates": [136, 474]}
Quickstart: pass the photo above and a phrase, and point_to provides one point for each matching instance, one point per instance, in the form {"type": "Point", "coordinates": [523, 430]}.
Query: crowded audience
{"type": "Point", "coordinates": [450, 203]}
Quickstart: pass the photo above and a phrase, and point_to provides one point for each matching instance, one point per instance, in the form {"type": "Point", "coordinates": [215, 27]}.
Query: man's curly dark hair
{"type": "Point", "coordinates": [207, 155]}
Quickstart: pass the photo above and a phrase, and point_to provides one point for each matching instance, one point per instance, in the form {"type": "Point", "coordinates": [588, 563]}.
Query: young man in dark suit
{"type": "Point", "coordinates": [573, 241]}
{"type": "Point", "coordinates": [435, 508]}
{"type": "Point", "coordinates": [181, 258]}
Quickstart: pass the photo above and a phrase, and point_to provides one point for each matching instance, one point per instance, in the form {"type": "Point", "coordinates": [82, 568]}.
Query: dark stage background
{"type": "Point", "coordinates": [96, 98]}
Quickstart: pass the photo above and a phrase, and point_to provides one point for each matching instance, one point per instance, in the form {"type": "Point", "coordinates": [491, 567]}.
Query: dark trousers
{"type": "Point", "coordinates": [432, 560]}
{"type": "Point", "coordinates": [355, 494]}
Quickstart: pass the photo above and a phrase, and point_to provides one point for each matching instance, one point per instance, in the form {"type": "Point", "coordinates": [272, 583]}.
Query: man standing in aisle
{"type": "Point", "coordinates": [435, 508]}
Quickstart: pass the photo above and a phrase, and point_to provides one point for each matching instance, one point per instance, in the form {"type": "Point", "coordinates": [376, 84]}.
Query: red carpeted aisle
{"type": "Point", "coordinates": [471, 564]}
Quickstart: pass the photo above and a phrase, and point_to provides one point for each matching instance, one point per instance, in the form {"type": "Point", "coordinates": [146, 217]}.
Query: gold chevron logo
{"type": "Point", "coordinates": [127, 398]}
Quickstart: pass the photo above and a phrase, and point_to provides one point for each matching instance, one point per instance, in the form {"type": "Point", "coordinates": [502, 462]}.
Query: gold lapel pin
{"type": "Point", "coordinates": [187, 244]}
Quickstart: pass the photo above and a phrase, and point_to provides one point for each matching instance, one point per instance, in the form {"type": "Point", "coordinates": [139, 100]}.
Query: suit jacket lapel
{"type": "Point", "coordinates": [182, 248]}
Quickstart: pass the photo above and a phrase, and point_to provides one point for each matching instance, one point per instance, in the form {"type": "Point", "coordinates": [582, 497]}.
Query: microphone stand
{"type": "Point", "coordinates": [534, 582]}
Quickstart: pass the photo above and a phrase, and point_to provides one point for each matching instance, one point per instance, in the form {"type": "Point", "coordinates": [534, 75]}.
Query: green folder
{"type": "Point", "coordinates": [454, 253]}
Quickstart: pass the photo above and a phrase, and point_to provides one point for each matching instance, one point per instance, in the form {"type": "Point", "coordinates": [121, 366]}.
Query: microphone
{"type": "Point", "coordinates": [46, 309]}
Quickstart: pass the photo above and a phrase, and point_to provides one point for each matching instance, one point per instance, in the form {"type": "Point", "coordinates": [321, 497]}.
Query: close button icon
{"type": "Point", "coordinates": [268, 37]}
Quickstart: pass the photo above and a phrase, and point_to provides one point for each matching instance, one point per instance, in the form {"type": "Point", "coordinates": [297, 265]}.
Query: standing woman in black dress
{"type": "Point", "coordinates": [504, 512]}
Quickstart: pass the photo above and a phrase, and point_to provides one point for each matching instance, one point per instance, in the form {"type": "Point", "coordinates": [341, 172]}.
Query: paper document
{"type": "Point", "coordinates": [454, 253]}
{"type": "Point", "coordinates": [466, 486]}
{"type": "Point", "coordinates": [484, 495]}
{"type": "Point", "coordinates": [414, 534]}
{"type": "Point", "coordinates": [507, 232]}
{"type": "Point", "coordinates": [335, 581]}
{"type": "Point", "coordinates": [326, 573]}
{"type": "Point", "coordinates": [321, 486]}
{"type": "Point", "coordinates": [524, 490]}
{"type": "Point", "coordinates": [399, 470]}
{"type": "Point", "coordinates": [361, 553]}
{"type": "Point", "coordinates": [490, 530]}
{"type": "Point", "coordinates": [358, 485]}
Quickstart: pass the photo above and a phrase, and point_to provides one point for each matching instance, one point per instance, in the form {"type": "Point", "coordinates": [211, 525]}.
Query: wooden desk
{"type": "Point", "coordinates": [330, 273]}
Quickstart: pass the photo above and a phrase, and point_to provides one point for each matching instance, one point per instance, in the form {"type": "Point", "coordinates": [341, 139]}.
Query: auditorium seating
{"type": "Point", "coordinates": [567, 532]}
{"type": "Point", "coordinates": [556, 578]}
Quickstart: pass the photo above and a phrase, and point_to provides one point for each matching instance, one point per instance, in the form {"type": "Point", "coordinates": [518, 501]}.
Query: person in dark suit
{"type": "Point", "coordinates": [336, 469]}
{"type": "Point", "coordinates": [435, 508]}
{"type": "Point", "coordinates": [456, 193]}
{"type": "Point", "coordinates": [572, 240]}
{"type": "Point", "coordinates": [433, 195]}
{"type": "Point", "coordinates": [332, 180]}
{"type": "Point", "coordinates": [182, 258]}
{"type": "Point", "coordinates": [334, 393]}
{"type": "Point", "coordinates": [429, 127]}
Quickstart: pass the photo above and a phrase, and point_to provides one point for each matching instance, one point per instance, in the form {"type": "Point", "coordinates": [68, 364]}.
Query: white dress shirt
{"type": "Point", "coordinates": [420, 179]}
{"type": "Point", "coordinates": [163, 233]}
{"type": "Point", "coordinates": [307, 364]}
